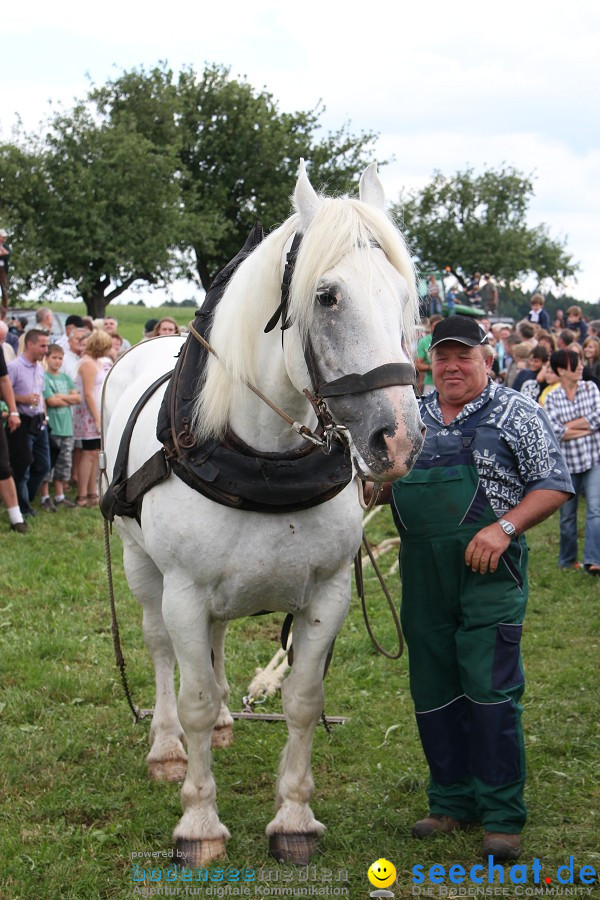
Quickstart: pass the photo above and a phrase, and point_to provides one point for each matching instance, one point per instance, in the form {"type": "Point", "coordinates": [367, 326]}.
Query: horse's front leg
{"type": "Point", "coordinates": [294, 832]}
{"type": "Point", "coordinates": [199, 836]}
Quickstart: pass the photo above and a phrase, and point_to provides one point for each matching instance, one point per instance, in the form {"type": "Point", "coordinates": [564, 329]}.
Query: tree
{"type": "Point", "coordinates": [237, 153]}
{"type": "Point", "coordinates": [93, 207]}
{"type": "Point", "coordinates": [113, 217]}
{"type": "Point", "coordinates": [477, 223]}
{"type": "Point", "coordinates": [153, 176]}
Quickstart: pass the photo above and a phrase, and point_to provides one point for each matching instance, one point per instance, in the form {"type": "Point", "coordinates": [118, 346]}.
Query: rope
{"type": "Point", "coordinates": [377, 487]}
{"type": "Point", "coordinates": [120, 660]}
{"type": "Point", "coordinates": [361, 593]}
{"type": "Point", "coordinates": [303, 430]}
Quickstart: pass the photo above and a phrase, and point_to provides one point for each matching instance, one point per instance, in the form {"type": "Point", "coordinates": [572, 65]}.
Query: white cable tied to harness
{"type": "Point", "coordinates": [267, 682]}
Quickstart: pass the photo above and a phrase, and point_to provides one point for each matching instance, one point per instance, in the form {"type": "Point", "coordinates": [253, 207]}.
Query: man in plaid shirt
{"type": "Point", "coordinates": [574, 413]}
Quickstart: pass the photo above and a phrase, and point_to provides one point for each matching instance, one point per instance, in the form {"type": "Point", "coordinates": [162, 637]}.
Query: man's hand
{"type": "Point", "coordinates": [484, 552]}
{"type": "Point", "coordinates": [14, 422]}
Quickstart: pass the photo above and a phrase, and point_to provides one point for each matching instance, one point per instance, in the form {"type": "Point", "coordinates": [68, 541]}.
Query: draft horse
{"type": "Point", "coordinates": [193, 563]}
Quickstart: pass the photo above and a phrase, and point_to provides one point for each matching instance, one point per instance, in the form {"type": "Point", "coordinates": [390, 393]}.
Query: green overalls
{"type": "Point", "coordinates": [463, 632]}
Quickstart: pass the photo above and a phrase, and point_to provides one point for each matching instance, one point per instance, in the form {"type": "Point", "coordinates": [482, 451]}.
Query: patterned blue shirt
{"type": "Point", "coordinates": [515, 450]}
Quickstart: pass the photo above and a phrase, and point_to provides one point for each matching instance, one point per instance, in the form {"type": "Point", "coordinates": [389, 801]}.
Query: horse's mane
{"type": "Point", "coordinates": [340, 227]}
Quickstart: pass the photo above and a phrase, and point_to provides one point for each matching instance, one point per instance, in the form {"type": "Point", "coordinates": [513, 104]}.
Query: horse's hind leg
{"type": "Point", "coordinates": [222, 735]}
{"type": "Point", "coordinates": [167, 760]}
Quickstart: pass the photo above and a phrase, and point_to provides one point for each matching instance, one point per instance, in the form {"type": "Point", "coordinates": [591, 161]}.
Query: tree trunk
{"type": "Point", "coordinates": [203, 272]}
{"type": "Point", "coordinates": [96, 305]}
{"type": "Point", "coordinates": [98, 300]}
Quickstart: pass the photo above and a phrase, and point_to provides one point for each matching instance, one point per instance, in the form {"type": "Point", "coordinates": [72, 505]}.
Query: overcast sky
{"type": "Point", "coordinates": [446, 84]}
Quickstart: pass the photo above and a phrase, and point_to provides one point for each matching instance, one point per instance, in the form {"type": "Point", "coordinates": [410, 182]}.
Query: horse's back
{"type": "Point", "coordinates": [132, 374]}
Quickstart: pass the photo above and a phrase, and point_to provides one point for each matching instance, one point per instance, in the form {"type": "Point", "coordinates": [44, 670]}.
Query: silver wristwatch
{"type": "Point", "coordinates": [507, 527]}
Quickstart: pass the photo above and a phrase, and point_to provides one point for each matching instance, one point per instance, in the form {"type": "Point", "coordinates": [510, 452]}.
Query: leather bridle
{"type": "Point", "coordinates": [387, 375]}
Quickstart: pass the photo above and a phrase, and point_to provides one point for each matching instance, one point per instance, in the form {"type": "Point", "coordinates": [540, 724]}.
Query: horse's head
{"type": "Point", "coordinates": [354, 305]}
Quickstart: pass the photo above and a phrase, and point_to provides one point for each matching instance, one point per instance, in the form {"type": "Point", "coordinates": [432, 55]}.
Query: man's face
{"type": "Point", "coordinates": [38, 349]}
{"type": "Point", "coordinates": [534, 363]}
{"type": "Point", "coordinates": [460, 373]}
{"type": "Point", "coordinates": [76, 339]}
{"type": "Point", "coordinates": [110, 325]}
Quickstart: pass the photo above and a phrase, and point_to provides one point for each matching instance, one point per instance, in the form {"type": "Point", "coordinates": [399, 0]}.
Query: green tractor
{"type": "Point", "coordinates": [432, 300]}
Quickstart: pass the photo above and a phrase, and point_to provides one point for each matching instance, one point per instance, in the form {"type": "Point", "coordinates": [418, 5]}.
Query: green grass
{"type": "Point", "coordinates": [75, 802]}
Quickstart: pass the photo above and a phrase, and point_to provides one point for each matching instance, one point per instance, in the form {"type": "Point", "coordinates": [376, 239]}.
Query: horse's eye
{"type": "Point", "coordinates": [328, 297]}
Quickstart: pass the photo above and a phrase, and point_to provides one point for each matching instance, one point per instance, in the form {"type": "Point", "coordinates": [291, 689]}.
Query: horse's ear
{"type": "Point", "coordinates": [306, 200]}
{"type": "Point", "coordinates": [370, 189]}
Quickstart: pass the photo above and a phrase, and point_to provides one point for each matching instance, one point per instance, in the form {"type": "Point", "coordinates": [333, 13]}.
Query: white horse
{"type": "Point", "coordinates": [195, 564]}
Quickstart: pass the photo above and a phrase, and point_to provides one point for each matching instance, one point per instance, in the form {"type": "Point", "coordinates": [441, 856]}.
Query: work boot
{"type": "Point", "coordinates": [501, 846]}
{"type": "Point", "coordinates": [436, 823]}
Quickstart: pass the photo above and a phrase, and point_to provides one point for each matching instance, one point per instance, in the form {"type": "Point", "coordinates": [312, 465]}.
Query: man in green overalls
{"type": "Point", "coordinates": [490, 468]}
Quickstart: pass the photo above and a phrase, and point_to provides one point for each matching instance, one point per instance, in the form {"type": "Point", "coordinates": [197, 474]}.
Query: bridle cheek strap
{"type": "Point", "coordinates": [388, 375]}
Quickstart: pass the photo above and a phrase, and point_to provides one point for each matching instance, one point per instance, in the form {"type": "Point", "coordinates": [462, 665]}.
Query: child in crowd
{"type": "Point", "coordinates": [60, 395]}
{"type": "Point", "coordinates": [576, 323]}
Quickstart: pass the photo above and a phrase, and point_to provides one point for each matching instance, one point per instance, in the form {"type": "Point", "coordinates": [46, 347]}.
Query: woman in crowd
{"type": "Point", "coordinates": [93, 368]}
{"type": "Point", "coordinates": [166, 326]}
{"type": "Point", "coordinates": [591, 360]}
{"type": "Point", "coordinates": [574, 412]}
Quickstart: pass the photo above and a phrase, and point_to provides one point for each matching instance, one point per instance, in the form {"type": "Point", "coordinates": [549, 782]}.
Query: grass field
{"type": "Point", "coordinates": [75, 802]}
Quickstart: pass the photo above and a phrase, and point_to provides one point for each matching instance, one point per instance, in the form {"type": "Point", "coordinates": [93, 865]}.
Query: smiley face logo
{"type": "Point", "coordinates": [381, 873]}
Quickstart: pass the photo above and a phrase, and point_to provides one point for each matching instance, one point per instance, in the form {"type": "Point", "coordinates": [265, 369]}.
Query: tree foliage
{"type": "Point", "coordinates": [89, 209]}
{"type": "Point", "coordinates": [114, 208]}
{"type": "Point", "coordinates": [478, 223]}
{"type": "Point", "coordinates": [154, 176]}
{"type": "Point", "coordinates": [238, 153]}
{"type": "Point", "coordinates": [24, 200]}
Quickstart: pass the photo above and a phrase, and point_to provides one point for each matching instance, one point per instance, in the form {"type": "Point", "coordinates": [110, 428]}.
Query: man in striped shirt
{"type": "Point", "coordinates": [574, 413]}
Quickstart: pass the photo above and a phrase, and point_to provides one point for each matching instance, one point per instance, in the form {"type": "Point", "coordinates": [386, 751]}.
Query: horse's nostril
{"type": "Point", "coordinates": [377, 444]}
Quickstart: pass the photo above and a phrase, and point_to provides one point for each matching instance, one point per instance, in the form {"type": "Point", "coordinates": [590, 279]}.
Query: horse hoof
{"type": "Point", "coordinates": [293, 848]}
{"type": "Point", "coordinates": [196, 854]}
{"type": "Point", "coordinates": [167, 770]}
{"type": "Point", "coordinates": [221, 737]}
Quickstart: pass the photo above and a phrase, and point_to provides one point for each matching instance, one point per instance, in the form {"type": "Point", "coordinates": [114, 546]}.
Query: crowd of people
{"type": "Point", "coordinates": [50, 390]}
{"type": "Point", "coordinates": [557, 366]}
